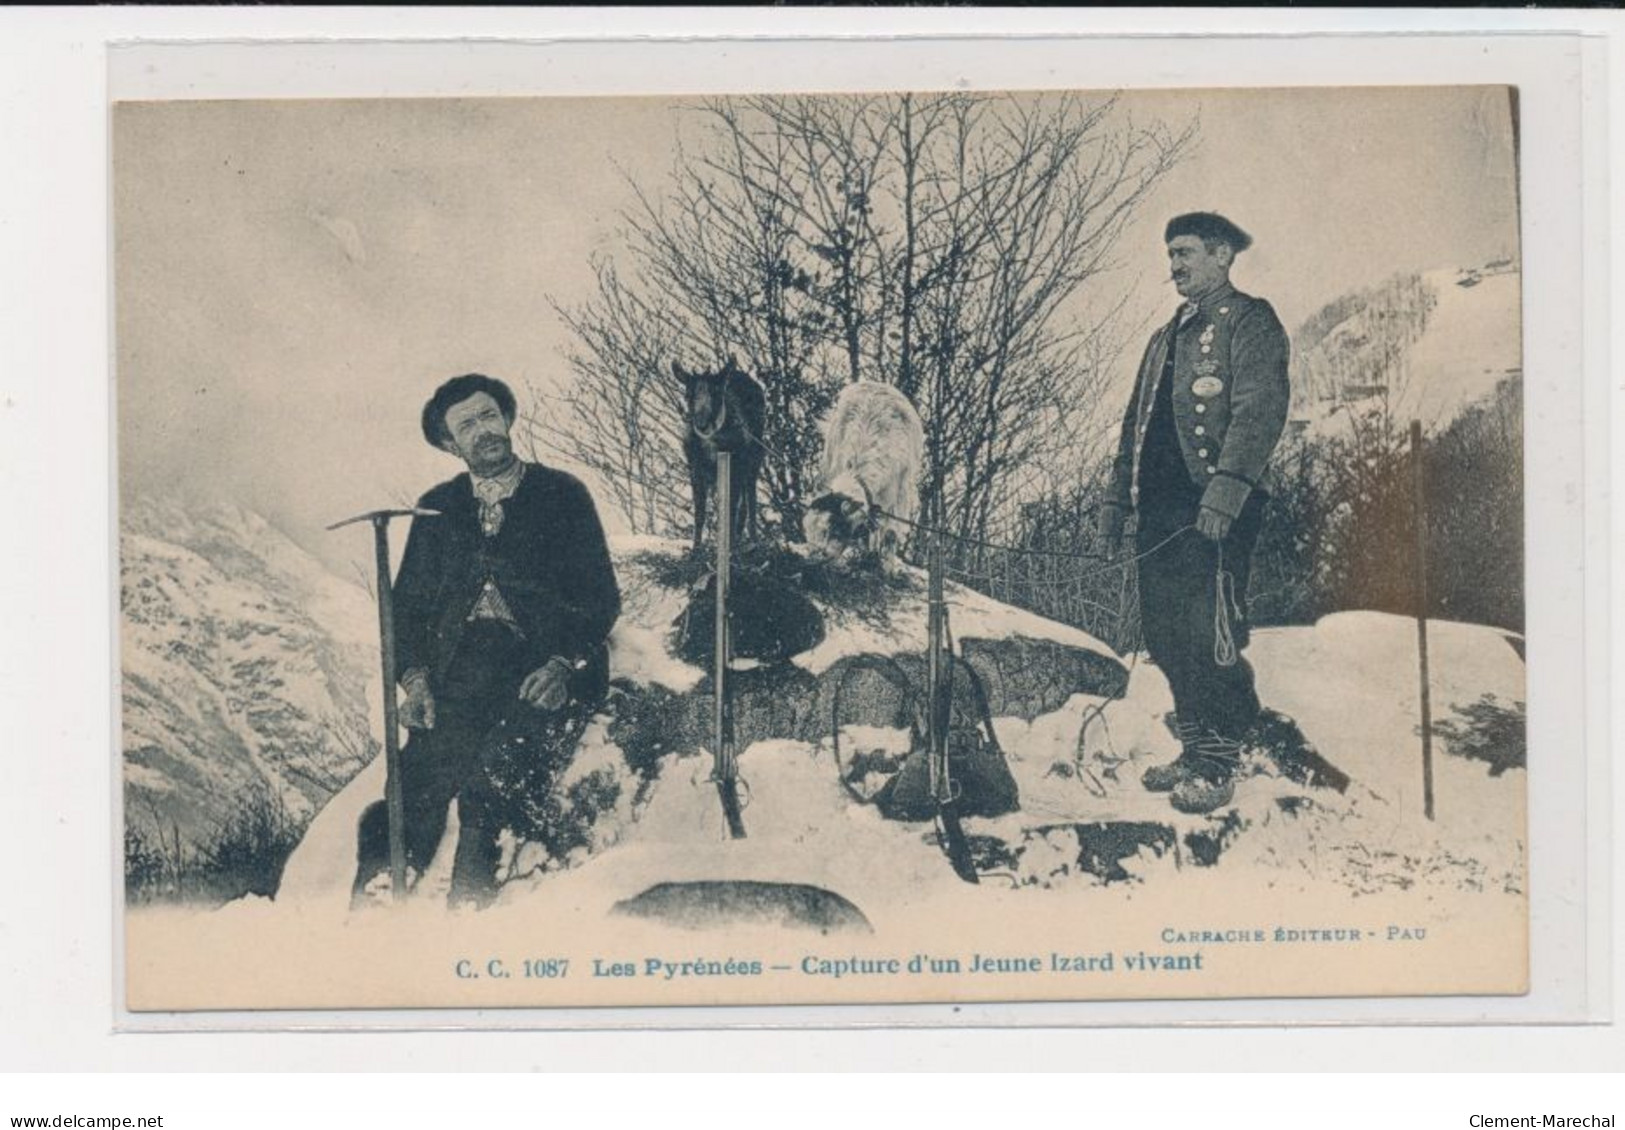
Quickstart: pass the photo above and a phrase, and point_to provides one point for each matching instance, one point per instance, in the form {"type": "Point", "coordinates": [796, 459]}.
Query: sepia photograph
{"type": "Point", "coordinates": [917, 546]}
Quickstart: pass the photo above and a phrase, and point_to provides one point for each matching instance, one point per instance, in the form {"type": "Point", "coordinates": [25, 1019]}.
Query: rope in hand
{"type": "Point", "coordinates": [1225, 652]}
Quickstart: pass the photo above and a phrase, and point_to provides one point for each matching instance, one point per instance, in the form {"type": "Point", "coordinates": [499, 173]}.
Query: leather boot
{"type": "Point", "coordinates": [1162, 778]}
{"type": "Point", "coordinates": [1210, 781]}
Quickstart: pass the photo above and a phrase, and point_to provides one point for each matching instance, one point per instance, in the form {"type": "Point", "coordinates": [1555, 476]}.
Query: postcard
{"type": "Point", "coordinates": [890, 547]}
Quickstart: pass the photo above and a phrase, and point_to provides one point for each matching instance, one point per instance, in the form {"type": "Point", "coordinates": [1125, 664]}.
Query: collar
{"type": "Point", "coordinates": [499, 487]}
{"type": "Point", "coordinates": [1193, 307]}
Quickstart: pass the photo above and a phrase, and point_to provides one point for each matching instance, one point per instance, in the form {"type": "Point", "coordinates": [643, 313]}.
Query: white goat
{"type": "Point", "coordinates": [874, 445]}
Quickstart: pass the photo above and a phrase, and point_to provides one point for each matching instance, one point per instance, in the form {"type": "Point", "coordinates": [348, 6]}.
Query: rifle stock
{"type": "Point", "coordinates": [951, 832]}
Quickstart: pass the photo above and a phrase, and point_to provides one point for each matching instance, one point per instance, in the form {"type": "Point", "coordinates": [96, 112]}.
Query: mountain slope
{"type": "Point", "coordinates": [1421, 346]}
{"type": "Point", "coordinates": [245, 669]}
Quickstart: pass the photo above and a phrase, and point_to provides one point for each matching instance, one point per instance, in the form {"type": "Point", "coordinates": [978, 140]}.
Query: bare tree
{"type": "Point", "coordinates": [943, 243]}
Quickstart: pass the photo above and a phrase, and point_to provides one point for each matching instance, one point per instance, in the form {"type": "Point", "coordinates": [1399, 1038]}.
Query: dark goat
{"type": "Point", "coordinates": [726, 411]}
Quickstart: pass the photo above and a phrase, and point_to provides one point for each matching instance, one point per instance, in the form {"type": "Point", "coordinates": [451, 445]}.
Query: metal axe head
{"type": "Point", "coordinates": [379, 516]}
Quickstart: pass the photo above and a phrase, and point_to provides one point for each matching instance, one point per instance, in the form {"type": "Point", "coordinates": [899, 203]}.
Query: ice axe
{"type": "Point", "coordinates": [394, 799]}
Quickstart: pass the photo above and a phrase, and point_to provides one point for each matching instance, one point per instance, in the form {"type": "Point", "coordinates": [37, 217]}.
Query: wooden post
{"type": "Point", "coordinates": [1419, 506]}
{"type": "Point", "coordinates": [394, 797]}
{"type": "Point", "coordinates": [725, 764]}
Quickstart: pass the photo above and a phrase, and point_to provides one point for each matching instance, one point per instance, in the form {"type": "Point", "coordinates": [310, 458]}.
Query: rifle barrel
{"type": "Point", "coordinates": [725, 767]}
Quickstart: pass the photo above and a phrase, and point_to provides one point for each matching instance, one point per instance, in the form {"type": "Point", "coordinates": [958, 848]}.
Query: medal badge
{"type": "Point", "coordinates": [1207, 383]}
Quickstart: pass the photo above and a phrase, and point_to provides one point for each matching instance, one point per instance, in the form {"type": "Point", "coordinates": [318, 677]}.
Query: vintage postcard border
{"type": "Point", "coordinates": [1556, 409]}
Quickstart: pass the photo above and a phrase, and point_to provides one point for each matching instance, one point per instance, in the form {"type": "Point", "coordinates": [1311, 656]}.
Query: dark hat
{"type": "Point", "coordinates": [457, 390]}
{"type": "Point", "coordinates": [1208, 226]}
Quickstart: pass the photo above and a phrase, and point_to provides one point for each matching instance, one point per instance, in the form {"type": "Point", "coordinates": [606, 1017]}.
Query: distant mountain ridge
{"type": "Point", "coordinates": [1424, 346]}
{"type": "Point", "coordinates": [246, 666]}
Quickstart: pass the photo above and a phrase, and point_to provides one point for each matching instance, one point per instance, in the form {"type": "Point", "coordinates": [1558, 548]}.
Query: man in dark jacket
{"type": "Point", "coordinates": [1209, 405]}
{"type": "Point", "coordinates": [503, 606]}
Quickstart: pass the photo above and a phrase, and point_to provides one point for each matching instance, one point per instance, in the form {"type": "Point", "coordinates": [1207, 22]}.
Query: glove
{"type": "Point", "coordinates": [1109, 526]}
{"type": "Point", "coordinates": [1212, 524]}
{"type": "Point", "coordinates": [547, 687]}
{"type": "Point", "coordinates": [417, 713]}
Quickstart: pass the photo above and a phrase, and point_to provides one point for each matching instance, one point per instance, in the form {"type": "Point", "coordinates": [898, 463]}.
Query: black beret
{"type": "Point", "coordinates": [1208, 226]}
{"type": "Point", "coordinates": [457, 390]}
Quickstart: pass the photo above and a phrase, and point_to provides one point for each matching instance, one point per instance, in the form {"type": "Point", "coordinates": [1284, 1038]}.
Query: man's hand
{"type": "Point", "coordinates": [1109, 526]}
{"type": "Point", "coordinates": [547, 687]}
{"type": "Point", "coordinates": [417, 713]}
{"type": "Point", "coordinates": [1212, 524]}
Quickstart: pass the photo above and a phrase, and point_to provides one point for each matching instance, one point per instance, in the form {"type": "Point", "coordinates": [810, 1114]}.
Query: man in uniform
{"type": "Point", "coordinates": [1209, 406]}
{"type": "Point", "coordinates": [503, 605]}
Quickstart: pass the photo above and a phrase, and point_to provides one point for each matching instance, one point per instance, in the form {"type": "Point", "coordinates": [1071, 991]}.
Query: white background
{"type": "Point", "coordinates": [57, 605]}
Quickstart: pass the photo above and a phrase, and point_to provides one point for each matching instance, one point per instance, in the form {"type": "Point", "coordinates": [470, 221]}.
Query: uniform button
{"type": "Point", "coordinates": [1201, 408]}
{"type": "Point", "coordinates": [1212, 470]}
{"type": "Point", "coordinates": [1200, 430]}
{"type": "Point", "coordinates": [1202, 453]}
{"type": "Point", "coordinates": [1207, 349]}
{"type": "Point", "coordinates": [1224, 309]}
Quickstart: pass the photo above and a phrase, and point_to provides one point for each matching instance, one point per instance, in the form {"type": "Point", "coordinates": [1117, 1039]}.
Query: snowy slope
{"type": "Point", "coordinates": [1089, 863]}
{"type": "Point", "coordinates": [803, 828]}
{"type": "Point", "coordinates": [1421, 347]}
{"type": "Point", "coordinates": [1091, 866]}
{"type": "Point", "coordinates": [1472, 343]}
{"type": "Point", "coordinates": [245, 664]}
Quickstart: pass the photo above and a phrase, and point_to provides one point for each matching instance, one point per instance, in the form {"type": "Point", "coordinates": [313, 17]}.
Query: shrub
{"type": "Point", "coordinates": [249, 849]}
{"type": "Point", "coordinates": [145, 869]}
{"type": "Point", "coordinates": [1488, 731]}
{"type": "Point", "coordinates": [244, 855]}
{"type": "Point", "coordinates": [1338, 534]}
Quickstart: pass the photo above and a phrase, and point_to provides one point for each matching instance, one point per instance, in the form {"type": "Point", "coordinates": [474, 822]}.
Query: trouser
{"type": "Point", "coordinates": [1178, 608]}
{"type": "Point", "coordinates": [481, 726]}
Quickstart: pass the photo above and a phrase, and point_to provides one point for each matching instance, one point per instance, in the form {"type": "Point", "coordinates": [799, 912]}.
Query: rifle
{"type": "Point", "coordinates": [938, 719]}
{"type": "Point", "coordinates": [725, 761]}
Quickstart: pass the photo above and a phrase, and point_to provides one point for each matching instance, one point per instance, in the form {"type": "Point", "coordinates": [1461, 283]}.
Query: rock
{"type": "Point", "coordinates": [1027, 677]}
{"type": "Point", "coordinates": [785, 701]}
{"type": "Point", "coordinates": [721, 904]}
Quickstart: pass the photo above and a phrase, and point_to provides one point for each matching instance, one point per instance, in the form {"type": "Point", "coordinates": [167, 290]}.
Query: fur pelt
{"type": "Point", "coordinates": [874, 445]}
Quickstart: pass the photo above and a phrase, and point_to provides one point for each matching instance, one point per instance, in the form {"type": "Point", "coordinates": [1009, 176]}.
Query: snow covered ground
{"type": "Point", "coordinates": [1350, 681]}
{"type": "Point", "coordinates": [1090, 857]}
